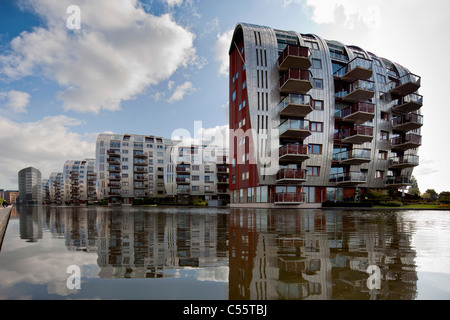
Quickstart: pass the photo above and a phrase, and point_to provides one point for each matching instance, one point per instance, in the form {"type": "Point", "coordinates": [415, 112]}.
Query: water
{"type": "Point", "coordinates": [220, 254]}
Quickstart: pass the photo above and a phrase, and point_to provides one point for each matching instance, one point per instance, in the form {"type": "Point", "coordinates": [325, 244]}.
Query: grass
{"type": "Point", "coordinates": [419, 206]}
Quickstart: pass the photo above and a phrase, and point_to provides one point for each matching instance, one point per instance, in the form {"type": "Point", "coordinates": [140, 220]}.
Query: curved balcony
{"type": "Point", "coordinates": [296, 81]}
{"type": "Point", "coordinates": [407, 84]}
{"type": "Point", "coordinates": [357, 135]}
{"type": "Point", "coordinates": [114, 169]}
{"type": "Point", "coordinates": [113, 152]}
{"type": "Point", "coordinates": [358, 113]}
{"type": "Point", "coordinates": [409, 141]}
{"type": "Point", "coordinates": [140, 177]}
{"type": "Point", "coordinates": [113, 160]}
{"type": "Point", "coordinates": [353, 157]}
{"type": "Point", "coordinates": [114, 177]}
{"type": "Point", "coordinates": [408, 122]}
{"type": "Point", "coordinates": [402, 162]}
{"type": "Point", "coordinates": [398, 182]}
{"type": "Point", "coordinates": [294, 57]}
{"type": "Point", "coordinates": [293, 153]}
{"type": "Point", "coordinates": [360, 90]}
{"type": "Point", "coordinates": [291, 176]}
{"type": "Point", "coordinates": [294, 129]}
{"type": "Point", "coordinates": [288, 198]}
{"type": "Point", "coordinates": [183, 180]}
{"type": "Point", "coordinates": [409, 103]}
{"type": "Point", "coordinates": [348, 178]}
{"type": "Point", "coordinates": [358, 68]}
{"type": "Point", "coordinates": [181, 169]}
{"type": "Point", "coordinates": [296, 105]}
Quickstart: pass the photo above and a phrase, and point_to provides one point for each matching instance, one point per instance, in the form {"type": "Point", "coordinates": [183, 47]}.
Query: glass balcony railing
{"type": "Point", "coordinates": [293, 149]}
{"type": "Point", "coordinates": [406, 119]}
{"type": "Point", "coordinates": [409, 83]}
{"type": "Point", "coordinates": [353, 176]}
{"type": "Point", "coordinates": [398, 180]}
{"type": "Point", "coordinates": [352, 154]}
{"type": "Point", "coordinates": [288, 197]}
{"type": "Point", "coordinates": [355, 64]}
{"type": "Point", "coordinates": [293, 124]}
{"type": "Point", "coordinates": [291, 174]}
{"type": "Point", "coordinates": [339, 56]}
{"type": "Point", "coordinates": [410, 140]}
{"type": "Point", "coordinates": [296, 99]}
{"type": "Point", "coordinates": [404, 161]}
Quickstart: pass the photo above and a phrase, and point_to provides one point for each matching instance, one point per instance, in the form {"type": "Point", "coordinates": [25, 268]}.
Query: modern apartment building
{"type": "Point", "coordinates": [130, 166]}
{"type": "Point", "coordinates": [56, 188]}
{"type": "Point", "coordinates": [315, 120]}
{"type": "Point", "coordinates": [30, 189]}
{"type": "Point", "coordinates": [80, 182]}
{"type": "Point", "coordinates": [197, 172]}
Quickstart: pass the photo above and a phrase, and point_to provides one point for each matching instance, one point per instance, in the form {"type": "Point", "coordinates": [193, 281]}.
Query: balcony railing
{"type": "Point", "coordinates": [140, 154]}
{"type": "Point", "coordinates": [353, 157]}
{"type": "Point", "coordinates": [409, 141]}
{"type": "Point", "coordinates": [288, 198]}
{"type": "Point", "coordinates": [293, 152]}
{"type": "Point", "coordinates": [183, 190]}
{"type": "Point", "coordinates": [183, 180]}
{"type": "Point", "coordinates": [296, 81]}
{"type": "Point", "coordinates": [348, 178]}
{"type": "Point", "coordinates": [295, 57]}
{"type": "Point", "coordinates": [409, 103]}
{"type": "Point", "coordinates": [291, 175]}
{"type": "Point", "coordinates": [408, 122]}
{"type": "Point", "coordinates": [114, 168]}
{"type": "Point", "coordinates": [398, 181]}
{"type": "Point", "coordinates": [296, 105]}
{"type": "Point", "coordinates": [358, 68]}
{"type": "Point", "coordinates": [294, 129]}
{"type": "Point", "coordinates": [360, 90]}
{"type": "Point", "coordinates": [114, 177]}
{"type": "Point", "coordinates": [407, 84]}
{"type": "Point", "coordinates": [357, 135]}
{"type": "Point", "coordinates": [406, 161]}
{"type": "Point", "coordinates": [113, 160]}
{"type": "Point", "coordinates": [183, 169]}
{"type": "Point", "coordinates": [358, 113]}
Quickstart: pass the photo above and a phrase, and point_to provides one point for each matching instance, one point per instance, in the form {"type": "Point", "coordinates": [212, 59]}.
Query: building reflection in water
{"type": "Point", "coordinates": [308, 254]}
{"type": "Point", "coordinates": [318, 255]}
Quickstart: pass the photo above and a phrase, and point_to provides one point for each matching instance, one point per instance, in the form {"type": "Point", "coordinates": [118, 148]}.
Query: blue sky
{"type": "Point", "coordinates": [155, 66]}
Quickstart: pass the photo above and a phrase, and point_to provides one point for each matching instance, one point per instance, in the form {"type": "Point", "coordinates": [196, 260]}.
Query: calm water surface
{"type": "Point", "coordinates": [210, 253]}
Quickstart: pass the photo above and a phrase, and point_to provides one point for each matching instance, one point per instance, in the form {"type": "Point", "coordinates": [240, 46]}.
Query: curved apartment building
{"type": "Point", "coordinates": [313, 120]}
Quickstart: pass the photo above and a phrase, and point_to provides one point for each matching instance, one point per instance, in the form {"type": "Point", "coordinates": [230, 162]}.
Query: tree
{"type": "Point", "coordinates": [414, 191]}
{"type": "Point", "coordinates": [444, 197]}
{"type": "Point", "coordinates": [433, 195]}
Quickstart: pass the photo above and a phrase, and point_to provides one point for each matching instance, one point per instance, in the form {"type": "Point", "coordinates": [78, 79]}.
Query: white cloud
{"type": "Point", "coordinates": [181, 91]}
{"type": "Point", "coordinates": [45, 144]}
{"type": "Point", "coordinates": [16, 101]}
{"type": "Point", "coordinates": [221, 49]}
{"type": "Point", "coordinates": [119, 52]}
{"type": "Point", "coordinates": [173, 3]}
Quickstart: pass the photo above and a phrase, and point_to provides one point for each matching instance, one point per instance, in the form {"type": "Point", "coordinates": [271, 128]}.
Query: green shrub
{"type": "Point", "coordinates": [391, 204]}
{"type": "Point", "coordinates": [200, 202]}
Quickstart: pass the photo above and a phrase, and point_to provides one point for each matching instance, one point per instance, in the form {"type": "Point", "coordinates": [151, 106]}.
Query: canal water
{"type": "Point", "coordinates": [220, 254]}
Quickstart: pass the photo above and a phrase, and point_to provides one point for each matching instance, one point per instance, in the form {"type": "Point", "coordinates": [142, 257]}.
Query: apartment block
{"type": "Point", "coordinates": [80, 182]}
{"type": "Point", "coordinates": [315, 120]}
{"type": "Point", "coordinates": [197, 172]}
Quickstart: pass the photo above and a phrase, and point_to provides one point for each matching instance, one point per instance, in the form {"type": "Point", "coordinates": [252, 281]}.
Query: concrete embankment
{"type": "Point", "coordinates": [5, 213]}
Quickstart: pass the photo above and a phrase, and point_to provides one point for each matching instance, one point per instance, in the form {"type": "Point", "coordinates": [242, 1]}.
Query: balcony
{"type": "Point", "coordinates": [407, 142]}
{"type": "Point", "coordinates": [296, 81]}
{"type": "Point", "coordinates": [291, 176]}
{"type": "Point", "coordinates": [293, 153]}
{"type": "Point", "coordinates": [223, 191]}
{"type": "Point", "coordinates": [180, 169]}
{"type": "Point", "coordinates": [114, 177]}
{"type": "Point", "coordinates": [114, 169]}
{"type": "Point", "coordinates": [358, 113]}
{"type": "Point", "coordinates": [360, 90]}
{"type": "Point", "coordinates": [140, 177]}
{"type": "Point", "coordinates": [296, 105]}
{"type": "Point", "coordinates": [114, 186]}
{"type": "Point", "coordinates": [288, 198]}
{"type": "Point", "coordinates": [140, 186]}
{"type": "Point", "coordinates": [140, 194]}
{"type": "Point", "coordinates": [140, 162]}
{"type": "Point", "coordinates": [222, 169]}
{"type": "Point", "coordinates": [398, 182]}
{"type": "Point", "coordinates": [402, 162]}
{"type": "Point", "coordinates": [140, 154]}
{"type": "Point", "coordinates": [348, 178]}
{"type": "Point", "coordinates": [114, 193]}
{"type": "Point", "coordinates": [113, 160]}
{"type": "Point", "coordinates": [408, 122]}
{"type": "Point", "coordinates": [405, 85]}
{"type": "Point", "coordinates": [294, 57]}
{"type": "Point", "coordinates": [409, 103]}
{"type": "Point", "coordinates": [358, 68]}
{"type": "Point", "coordinates": [294, 129]}
{"type": "Point", "coordinates": [353, 157]}
{"type": "Point", "coordinates": [357, 135]}
{"type": "Point", "coordinates": [183, 180]}
{"type": "Point", "coordinates": [183, 191]}
{"type": "Point", "coordinates": [222, 181]}
{"type": "Point", "coordinates": [140, 169]}
{"type": "Point", "coordinates": [113, 152]}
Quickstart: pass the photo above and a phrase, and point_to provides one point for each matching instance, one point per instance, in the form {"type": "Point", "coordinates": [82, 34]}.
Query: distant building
{"type": "Point", "coordinates": [56, 188]}
{"type": "Point", "coordinates": [80, 180]}
{"type": "Point", "coordinates": [30, 189]}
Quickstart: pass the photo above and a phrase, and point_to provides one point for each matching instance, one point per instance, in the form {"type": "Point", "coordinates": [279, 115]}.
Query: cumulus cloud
{"type": "Point", "coordinates": [15, 101]}
{"type": "Point", "coordinates": [45, 144]}
{"type": "Point", "coordinates": [221, 48]}
{"type": "Point", "coordinates": [180, 91]}
{"type": "Point", "coordinates": [119, 51]}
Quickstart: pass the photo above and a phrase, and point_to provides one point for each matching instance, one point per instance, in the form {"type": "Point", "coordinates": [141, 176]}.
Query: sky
{"type": "Point", "coordinates": [160, 67]}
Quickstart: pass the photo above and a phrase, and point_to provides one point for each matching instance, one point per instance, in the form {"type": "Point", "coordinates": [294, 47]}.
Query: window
{"type": "Point", "coordinates": [312, 45]}
{"type": "Point", "coordinates": [317, 63]}
{"type": "Point", "coordinates": [381, 78]}
{"type": "Point", "coordinates": [316, 126]}
{"type": "Point", "coordinates": [233, 96]}
{"type": "Point", "coordinates": [312, 171]}
{"type": "Point", "coordinates": [207, 178]}
{"type": "Point", "coordinates": [384, 116]}
{"type": "Point", "coordinates": [318, 83]}
{"type": "Point", "coordinates": [384, 135]}
{"type": "Point", "coordinates": [195, 178]}
{"type": "Point", "coordinates": [243, 85]}
{"type": "Point", "coordinates": [382, 155]}
{"type": "Point", "coordinates": [317, 104]}
{"type": "Point", "coordinates": [315, 149]}
{"type": "Point", "coordinates": [379, 174]}
{"type": "Point", "coordinates": [195, 167]}
{"type": "Point", "coordinates": [195, 188]}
